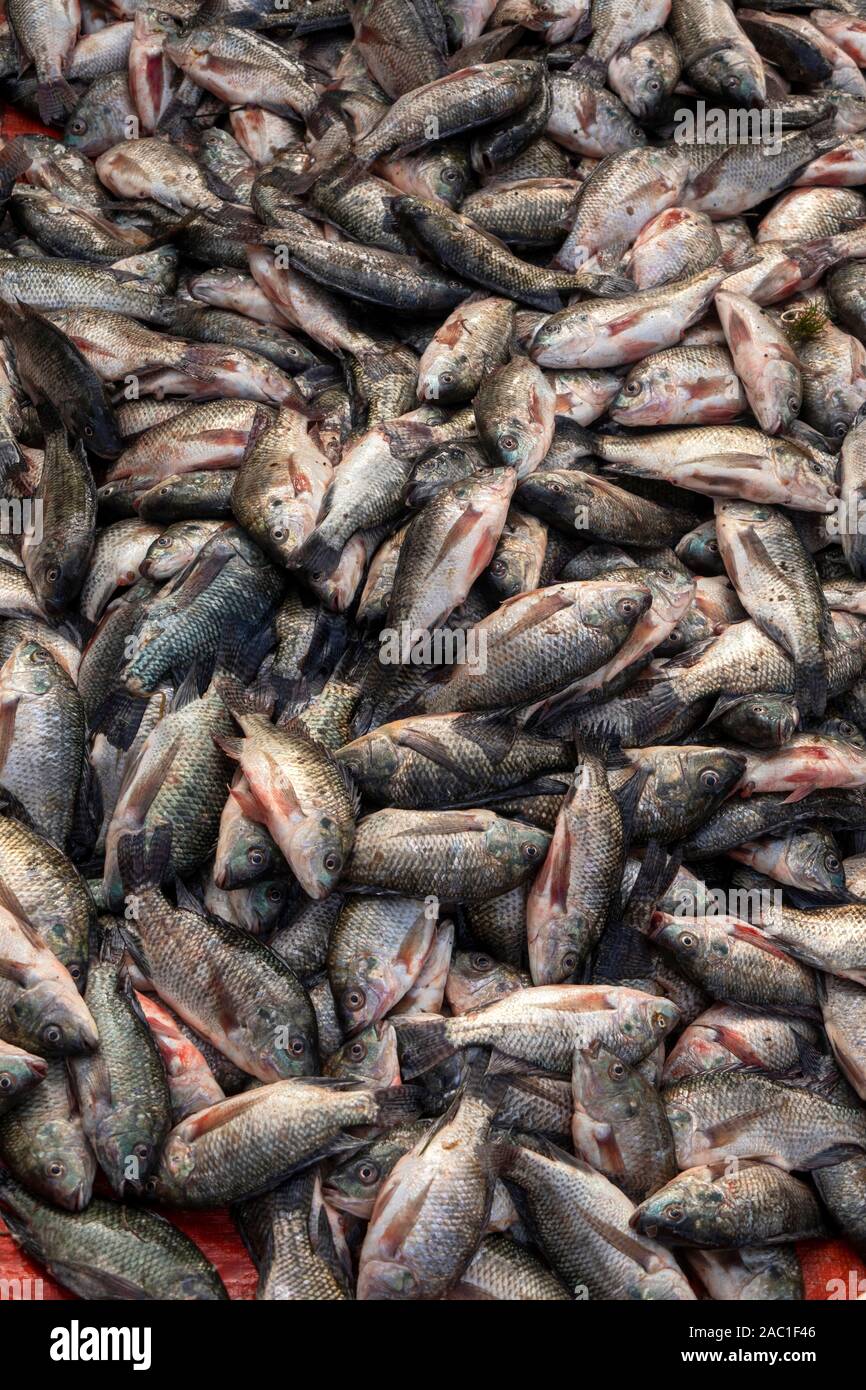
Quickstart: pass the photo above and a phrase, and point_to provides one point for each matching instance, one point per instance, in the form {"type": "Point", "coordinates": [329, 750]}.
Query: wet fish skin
{"type": "Point", "coordinates": [42, 1142]}
{"type": "Point", "coordinates": [582, 1221]}
{"type": "Point", "coordinates": [619, 1124]}
{"type": "Point", "coordinates": [759, 1205]}
{"type": "Point", "coordinates": [111, 1252]}
{"type": "Point", "coordinates": [292, 1263]}
{"type": "Point", "coordinates": [266, 1023]}
{"type": "Point", "coordinates": [20, 1071]}
{"type": "Point", "coordinates": [122, 1088]}
{"type": "Point", "coordinates": [251, 1142]}
{"type": "Point", "coordinates": [445, 1187]}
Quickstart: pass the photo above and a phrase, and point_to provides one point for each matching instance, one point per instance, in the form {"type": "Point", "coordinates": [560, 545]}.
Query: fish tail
{"type": "Point", "coordinates": [810, 679]}
{"type": "Point", "coordinates": [319, 556]}
{"type": "Point", "coordinates": [139, 866]}
{"type": "Point", "coordinates": [56, 99]}
{"type": "Point", "coordinates": [423, 1042]}
{"type": "Point", "coordinates": [397, 1104]}
{"type": "Point", "coordinates": [604, 286]}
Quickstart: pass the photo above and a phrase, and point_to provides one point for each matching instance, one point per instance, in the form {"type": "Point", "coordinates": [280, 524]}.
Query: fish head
{"type": "Point", "coordinates": [814, 862]}
{"type": "Point", "coordinates": [128, 1147]}
{"type": "Point", "coordinates": [648, 396]}
{"type": "Point", "coordinates": [517, 847]}
{"type": "Point", "coordinates": [170, 552]}
{"type": "Point", "coordinates": [442, 464]}
{"type": "Point", "coordinates": [372, 760]}
{"type": "Point", "coordinates": [365, 994]}
{"type": "Point", "coordinates": [689, 939]}
{"type": "Point", "coordinates": [370, 1055]}
{"type": "Point", "coordinates": [389, 1280]}
{"type": "Point", "coordinates": [693, 1209]}
{"type": "Point", "coordinates": [762, 721]}
{"type": "Point", "coordinates": [249, 857]}
{"type": "Point", "coordinates": [320, 848]}
{"type": "Point", "coordinates": [659, 1285]}
{"type": "Point", "coordinates": [697, 779]}
{"type": "Point", "coordinates": [18, 1072]}
{"type": "Point", "coordinates": [604, 1087]}
{"type": "Point", "coordinates": [55, 1014]}
{"type": "Point", "coordinates": [476, 979]}
{"type": "Point", "coordinates": [286, 1042]}
{"type": "Point", "coordinates": [29, 671]}
{"type": "Point", "coordinates": [63, 1164]}
{"type": "Point", "coordinates": [613, 606]}
{"type": "Point", "coordinates": [735, 72]}
{"type": "Point", "coordinates": [264, 903]}
{"type": "Point", "coordinates": [651, 1021]}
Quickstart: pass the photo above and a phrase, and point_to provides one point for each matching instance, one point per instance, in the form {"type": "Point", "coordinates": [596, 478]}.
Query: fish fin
{"type": "Point", "coordinates": [119, 717]}
{"type": "Point", "coordinates": [16, 810]}
{"type": "Point", "coordinates": [317, 555]}
{"type": "Point", "coordinates": [656, 874]}
{"type": "Point", "coordinates": [627, 798]}
{"type": "Point", "coordinates": [398, 1104]}
{"type": "Point", "coordinates": [422, 1041]}
{"type": "Point", "coordinates": [142, 867]}
{"type": "Point", "coordinates": [55, 98]}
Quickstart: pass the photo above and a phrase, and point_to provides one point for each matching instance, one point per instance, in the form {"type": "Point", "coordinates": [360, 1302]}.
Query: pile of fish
{"type": "Point", "coordinates": [433, 644]}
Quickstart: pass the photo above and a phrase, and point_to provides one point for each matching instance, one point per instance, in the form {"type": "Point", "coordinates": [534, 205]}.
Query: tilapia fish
{"type": "Point", "coordinates": [433, 648]}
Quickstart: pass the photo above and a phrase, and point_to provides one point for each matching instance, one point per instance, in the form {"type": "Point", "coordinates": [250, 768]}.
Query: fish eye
{"type": "Point", "coordinates": [731, 81]}
{"type": "Point", "coordinates": [846, 728]}
{"type": "Point", "coordinates": [52, 1035]}
{"type": "Point", "coordinates": [555, 488]}
{"type": "Point", "coordinates": [530, 850]}
{"type": "Point", "coordinates": [687, 940]}
{"type": "Point", "coordinates": [256, 856]}
{"type": "Point", "coordinates": [141, 1151]}
{"type": "Point", "coordinates": [298, 1047]}
{"type": "Point", "coordinates": [831, 863]}
{"type": "Point", "coordinates": [358, 1051]}
{"type": "Point", "coordinates": [56, 1169]}
{"type": "Point", "coordinates": [654, 84]}
{"type": "Point", "coordinates": [616, 1070]}
{"type": "Point", "coordinates": [164, 541]}
{"type": "Point", "coordinates": [278, 534]}
{"type": "Point", "coordinates": [632, 388]}
{"type": "Point", "coordinates": [840, 429]}
{"type": "Point", "coordinates": [480, 962]}
{"type": "Point", "coordinates": [78, 126]}
{"type": "Point", "coordinates": [52, 574]}
{"type": "Point", "coordinates": [508, 441]}
{"type": "Point", "coordinates": [674, 1212]}
{"type": "Point", "coordinates": [793, 403]}
{"type": "Point", "coordinates": [87, 431]}
{"type": "Point", "coordinates": [5, 1081]}
{"type": "Point", "coordinates": [75, 970]}
{"type": "Point", "coordinates": [446, 378]}
{"type": "Point", "coordinates": [660, 1022]}
{"type": "Point", "coordinates": [368, 1173]}
{"type": "Point", "coordinates": [354, 1000]}
{"type": "Point", "coordinates": [498, 567]}
{"type": "Point", "coordinates": [710, 778]}
{"type": "Point", "coordinates": [151, 1187]}
{"type": "Point", "coordinates": [626, 607]}
{"type": "Point", "coordinates": [449, 175]}
{"type": "Point", "coordinates": [274, 893]}
{"type": "Point", "coordinates": [332, 863]}
{"type": "Point", "coordinates": [713, 547]}
{"type": "Point", "coordinates": [569, 962]}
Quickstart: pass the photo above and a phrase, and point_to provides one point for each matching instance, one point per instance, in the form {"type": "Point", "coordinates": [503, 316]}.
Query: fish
{"type": "Point", "coordinates": [760, 1205]}
{"type": "Point", "coordinates": [247, 1144]}
{"type": "Point", "coordinates": [111, 1251]}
